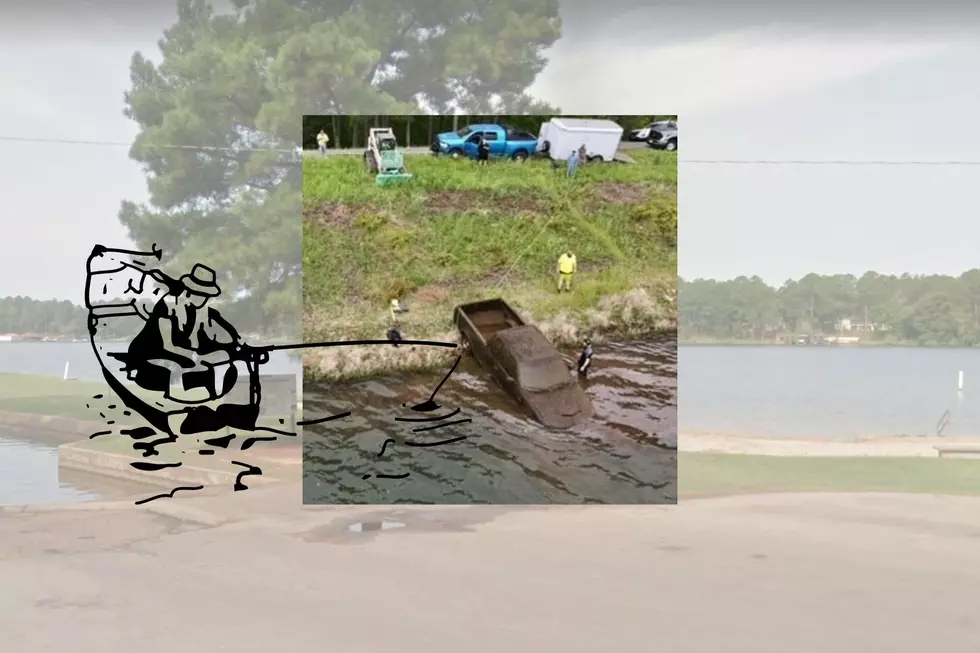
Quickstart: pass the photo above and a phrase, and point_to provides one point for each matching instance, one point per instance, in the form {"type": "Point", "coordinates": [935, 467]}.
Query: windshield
{"type": "Point", "coordinates": [462, 133]}
{"type": "Point", "coordinates": [544, 374]}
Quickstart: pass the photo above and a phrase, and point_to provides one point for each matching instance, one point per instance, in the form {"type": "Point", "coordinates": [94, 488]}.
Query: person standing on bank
{"type": "Point", "coordinates": [483, 152]}
{"type": "Point", "coordinates": [566, 268]}
{"type": "Point", "coordinates": [573, 161]}
{"type": "Point", "coordinates": [321, 141]}
{"type": "Point", "coordinates": [585, 359]}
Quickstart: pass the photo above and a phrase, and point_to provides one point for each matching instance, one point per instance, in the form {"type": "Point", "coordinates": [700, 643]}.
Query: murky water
{"type": "Point", "coordinates": [625, 455]}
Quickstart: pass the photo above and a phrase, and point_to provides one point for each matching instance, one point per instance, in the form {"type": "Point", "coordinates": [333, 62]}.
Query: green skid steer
{"type": "Point", "coordinates": [383, 159]}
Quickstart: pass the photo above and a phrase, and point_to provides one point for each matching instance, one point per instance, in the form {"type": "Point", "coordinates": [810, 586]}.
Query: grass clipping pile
{"type": "Point", "coordinates": [460, 233]}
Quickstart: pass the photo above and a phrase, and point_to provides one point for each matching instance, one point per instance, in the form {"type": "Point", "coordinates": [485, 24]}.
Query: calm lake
{"type": "Point", "coordinates": [827, 391]}
{"type": "Point", "coordinates": [760, 391]}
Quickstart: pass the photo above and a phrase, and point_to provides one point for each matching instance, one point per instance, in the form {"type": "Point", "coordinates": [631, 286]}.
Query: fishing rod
{"type": "Point", "coordinates": [101, 251]}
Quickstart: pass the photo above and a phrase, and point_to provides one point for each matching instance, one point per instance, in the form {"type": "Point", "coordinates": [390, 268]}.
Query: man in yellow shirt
{"type": "Point", "coordinates": [566, 268]}
{"type": "Point", "coordinates": [321, 141]}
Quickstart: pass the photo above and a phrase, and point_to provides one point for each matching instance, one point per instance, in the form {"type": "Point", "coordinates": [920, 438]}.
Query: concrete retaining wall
{"type": "Point", "coordinates": [79, 457]}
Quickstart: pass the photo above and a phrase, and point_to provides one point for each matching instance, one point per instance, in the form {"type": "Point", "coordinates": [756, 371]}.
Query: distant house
{"type": "Point", "coordinates": [847, 325]}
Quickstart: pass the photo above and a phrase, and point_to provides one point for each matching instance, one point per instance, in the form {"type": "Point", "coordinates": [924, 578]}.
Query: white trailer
{"type": "Point", "coordinates": [559, 137]}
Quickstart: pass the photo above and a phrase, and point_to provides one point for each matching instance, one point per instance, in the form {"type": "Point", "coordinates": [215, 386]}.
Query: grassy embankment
{"type": "Point", "coordinates": [459, 232]}
{"type": "Point", "coordinates": [710, 474]}
{"type": "Point", "coordinates": [76, 400]}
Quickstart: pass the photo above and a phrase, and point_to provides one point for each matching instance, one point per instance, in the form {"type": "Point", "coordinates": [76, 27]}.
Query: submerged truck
{"type": "Point", "coordinates": [524, 363]}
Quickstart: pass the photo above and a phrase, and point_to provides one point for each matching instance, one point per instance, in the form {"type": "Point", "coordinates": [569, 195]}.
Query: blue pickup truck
{"type": "Point", "coordinates": [504, 142]}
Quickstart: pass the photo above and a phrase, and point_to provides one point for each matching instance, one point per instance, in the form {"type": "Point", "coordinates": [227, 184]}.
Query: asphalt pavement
{"type": "Point", "coordinates": [768, 574]}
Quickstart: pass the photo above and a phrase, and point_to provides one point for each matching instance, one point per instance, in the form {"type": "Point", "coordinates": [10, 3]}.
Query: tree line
{"type": "Point", "coordinates": [919, 309]}
{"type": "Point", "coordinates": [23, 315]}
{"type": "Point", "coordinates": [420, 130]}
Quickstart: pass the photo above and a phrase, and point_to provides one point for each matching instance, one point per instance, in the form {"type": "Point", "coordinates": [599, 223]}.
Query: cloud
{"type": "Point", "coordinates": [716, 73]}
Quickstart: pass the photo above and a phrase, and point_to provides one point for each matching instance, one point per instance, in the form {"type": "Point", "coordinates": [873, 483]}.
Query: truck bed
{"type": "Point", "coordinates": [486, 318]}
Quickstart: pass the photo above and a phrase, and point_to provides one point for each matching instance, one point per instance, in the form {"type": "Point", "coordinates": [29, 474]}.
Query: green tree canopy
{"type": "Point", "coordinates": [925, 309]}
{"type": "Point", "coordinates": [231, 90]}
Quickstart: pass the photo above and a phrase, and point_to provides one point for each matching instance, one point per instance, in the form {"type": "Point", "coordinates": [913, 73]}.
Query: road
{"type": "Point", "coordinates": [766, 574]}
{"type": "Point", "coordinates": [625, 145]}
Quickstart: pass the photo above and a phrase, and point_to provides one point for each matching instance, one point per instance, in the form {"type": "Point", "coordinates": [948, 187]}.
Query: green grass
{"type": "Point", "coordinates": [459, 232]}
{"type": "Point", "coordinates": [51, 396]}
{"type": "Point", "coordinates": [706, 474]}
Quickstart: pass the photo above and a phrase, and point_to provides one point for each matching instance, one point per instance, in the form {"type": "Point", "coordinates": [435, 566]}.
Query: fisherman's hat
{"type": "Point", "coordinates": [201, 281]}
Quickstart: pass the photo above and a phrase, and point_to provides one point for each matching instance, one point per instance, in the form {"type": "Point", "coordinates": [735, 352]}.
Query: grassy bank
{"type": "Point", "coordinates": [459, 232]}
{"type": "Point", "coordinates": [43, 395]}
{"type": "Point", "coordinates": [732, 342]}
{"type": "Point", "coordinates": [708, 474]}
{"type": "Point", "coordinates": [74, 399]}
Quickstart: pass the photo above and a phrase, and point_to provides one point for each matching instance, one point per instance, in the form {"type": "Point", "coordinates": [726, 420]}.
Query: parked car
{"type": "Point", "coordinates": [663, 137]}
{"type": "Point", "coordinates": [643, 133]}
{"type": "Point", "coordinates": [503, 140]}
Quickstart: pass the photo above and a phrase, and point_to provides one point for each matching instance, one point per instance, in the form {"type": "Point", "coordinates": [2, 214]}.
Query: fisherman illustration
{"type": "Point", "coordinates": [186, 355]}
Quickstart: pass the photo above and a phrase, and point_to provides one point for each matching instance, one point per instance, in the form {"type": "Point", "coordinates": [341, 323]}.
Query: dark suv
{"type": "Point", "coordinates": [663, 136]}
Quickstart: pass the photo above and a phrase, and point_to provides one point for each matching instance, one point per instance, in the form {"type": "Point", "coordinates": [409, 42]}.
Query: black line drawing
{"type": "Point", "coordinates": [424, 407]}
{"type": "Point", "coordinates": [182, 370]}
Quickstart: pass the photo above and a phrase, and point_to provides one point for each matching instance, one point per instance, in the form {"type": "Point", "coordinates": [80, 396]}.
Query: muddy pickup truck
{"type": "Point", "coordinates": [524, 363]}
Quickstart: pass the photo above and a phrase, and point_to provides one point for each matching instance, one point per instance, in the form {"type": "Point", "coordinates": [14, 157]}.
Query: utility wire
{"type": "Point", "coordinates": [740, 162]}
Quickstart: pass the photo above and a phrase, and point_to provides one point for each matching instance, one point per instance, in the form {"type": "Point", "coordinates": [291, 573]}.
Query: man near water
{"type": "Point", "coordinates": [585, 359]}
{"type": "Point", "coordinates": [566, 268]}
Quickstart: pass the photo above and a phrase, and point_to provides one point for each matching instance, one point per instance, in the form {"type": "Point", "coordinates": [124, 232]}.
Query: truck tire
{"type": "Point", "coordinates": [671, 145]}
{"type": "Point", "coordinates": [455, 153]}
{"type": "Point", "coordinates": [520, 156]}
{"type": "Point", "coordinates": [595, 157]}
{"type": "Point", "coordinates": [546, 147]}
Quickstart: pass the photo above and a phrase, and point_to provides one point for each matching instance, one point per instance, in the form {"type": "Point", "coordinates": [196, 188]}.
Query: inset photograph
{"type": "Point", "coordinates": [489, 309]}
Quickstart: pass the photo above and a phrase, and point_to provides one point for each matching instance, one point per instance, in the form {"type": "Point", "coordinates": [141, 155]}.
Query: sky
{"type": "Point", "coordinates": [770, 81]}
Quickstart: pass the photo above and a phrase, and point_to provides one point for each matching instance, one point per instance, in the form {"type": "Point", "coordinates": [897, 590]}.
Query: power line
{"type": "Point", "coordinates": [738, 162]}
{"type": "Point", "coordinates": [826, 162]}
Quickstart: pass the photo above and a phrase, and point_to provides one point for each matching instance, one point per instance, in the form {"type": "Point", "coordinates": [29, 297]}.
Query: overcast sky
{"type": "Point", "coordinates": [852, 83]}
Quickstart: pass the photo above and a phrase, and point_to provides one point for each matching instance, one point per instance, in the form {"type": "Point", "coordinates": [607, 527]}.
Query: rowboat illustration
{"type": "Point", "coordinates": [177, 389]}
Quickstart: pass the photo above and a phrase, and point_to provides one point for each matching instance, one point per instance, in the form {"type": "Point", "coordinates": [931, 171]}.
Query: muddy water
{"type": "Point", "coordinates": [626, 454]}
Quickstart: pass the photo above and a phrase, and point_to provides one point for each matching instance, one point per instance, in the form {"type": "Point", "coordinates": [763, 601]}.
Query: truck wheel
{"type": "Point", "coordinates": [455, 153]}
{"type": "Point", "coordinates": [671, 145]}
{"type": "Point", "coordinates": [595, 157]}
{"type": "Point", "coordinates": [520, 156]}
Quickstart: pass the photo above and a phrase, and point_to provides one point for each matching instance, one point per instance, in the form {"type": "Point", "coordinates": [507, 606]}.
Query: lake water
{"type": "Point", "coordinates": [29, 474]}
{"type": "Point", "coordinates": [760, 391]}
{"type": "Point", "coordinates": [626, 454]}
{"type": "Point", "coordinates": [827, 391]}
